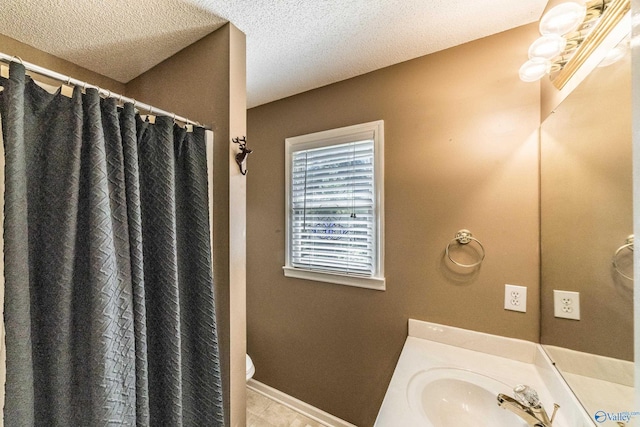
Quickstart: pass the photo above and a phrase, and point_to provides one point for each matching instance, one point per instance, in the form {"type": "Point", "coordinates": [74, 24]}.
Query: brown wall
{"type": "Point", "coordinates": [206, 82]}
{"type": "Point", "coordinates": [30, 54]}
{"type": "Point", "coordinates": [460, 152]}
{"type": "Point", "coordinates": [587, 213]}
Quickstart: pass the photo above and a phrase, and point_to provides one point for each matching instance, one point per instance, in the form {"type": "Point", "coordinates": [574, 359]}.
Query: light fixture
{"type": "Point", "coordinates": [616, 54]}
{"type": "Point", "coordinates": [548, 47]}
{"type": "Point", "coordinates": [534, 69]}
{"type": "Point", "coordinates": [570, 33]}
{"type": "Point", "coordinates": [562, 19]}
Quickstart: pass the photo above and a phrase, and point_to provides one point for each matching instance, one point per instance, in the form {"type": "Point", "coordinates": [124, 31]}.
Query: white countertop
{"type": "Point", "coordinates": [525, 365]}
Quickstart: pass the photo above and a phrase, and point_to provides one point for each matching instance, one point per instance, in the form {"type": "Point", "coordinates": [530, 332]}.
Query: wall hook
{"type": "Point", "coordinates": [241, 157]}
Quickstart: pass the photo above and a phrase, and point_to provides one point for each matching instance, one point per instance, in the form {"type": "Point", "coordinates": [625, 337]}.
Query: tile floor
{"type": "Point", "coordinates": [264, 412]}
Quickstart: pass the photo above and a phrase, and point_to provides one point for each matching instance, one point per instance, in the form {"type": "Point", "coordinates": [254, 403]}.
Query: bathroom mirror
{"type": "Point", "coordinates": [586, 218]}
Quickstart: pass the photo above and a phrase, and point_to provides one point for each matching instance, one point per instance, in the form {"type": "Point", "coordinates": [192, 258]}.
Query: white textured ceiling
{"type": "Point", "coordinates": [292, 45]}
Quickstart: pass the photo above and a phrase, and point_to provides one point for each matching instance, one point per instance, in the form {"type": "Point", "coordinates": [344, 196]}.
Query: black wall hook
{"type": "Point", "coordinates": [241, 157]}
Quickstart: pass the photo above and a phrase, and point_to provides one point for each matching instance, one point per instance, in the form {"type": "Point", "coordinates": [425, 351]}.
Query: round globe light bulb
{"type": "Point", "coordinates": [534, 69]}
{"type": "Point", "coordinates": [615, 54]}
{"type": "Point", "coordinates": [547, 47]}
{"type": "Point", "coordinates": [563, 18]}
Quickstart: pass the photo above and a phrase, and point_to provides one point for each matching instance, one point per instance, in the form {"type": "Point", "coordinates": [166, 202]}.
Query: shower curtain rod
{"type": "Point", "coordinates": [107, 93]}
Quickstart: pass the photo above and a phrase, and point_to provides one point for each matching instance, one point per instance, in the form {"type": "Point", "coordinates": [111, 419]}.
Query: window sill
{"type": "Point", "coordinates": [376, 283]}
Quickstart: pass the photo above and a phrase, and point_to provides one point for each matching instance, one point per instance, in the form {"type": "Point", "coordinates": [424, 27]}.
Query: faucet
{"type": "Point", "coordinates": [527, 406]}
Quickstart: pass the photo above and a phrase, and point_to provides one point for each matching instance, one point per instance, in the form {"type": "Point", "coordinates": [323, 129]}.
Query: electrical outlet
{"type": "Point", "coordinates": [566, 304]}
{"type": "Point", "coordinates": [515, 298]}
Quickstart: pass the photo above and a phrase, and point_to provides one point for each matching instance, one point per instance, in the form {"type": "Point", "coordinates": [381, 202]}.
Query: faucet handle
{"type": "Point", "coordinates": [526, 395]}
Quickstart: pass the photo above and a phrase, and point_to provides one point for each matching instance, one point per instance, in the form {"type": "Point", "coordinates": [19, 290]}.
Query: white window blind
{"type": "Point", "coordinates": [334, 206]}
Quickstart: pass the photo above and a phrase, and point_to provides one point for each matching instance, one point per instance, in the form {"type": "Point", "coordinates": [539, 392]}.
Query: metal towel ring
{"type": "Point", "coordinates": [628, 245]}
{"type": "Point", "coordinates": [464, 237]}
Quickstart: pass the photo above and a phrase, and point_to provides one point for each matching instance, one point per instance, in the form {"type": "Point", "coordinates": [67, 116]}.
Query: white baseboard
{"type": "Point", "coordinates": [297, 405]}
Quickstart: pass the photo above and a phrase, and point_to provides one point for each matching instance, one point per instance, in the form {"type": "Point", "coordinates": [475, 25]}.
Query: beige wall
{"type": "Point", "coordinates": [461, 151]}
{"type": "Point", "coordinates": [206, 82]}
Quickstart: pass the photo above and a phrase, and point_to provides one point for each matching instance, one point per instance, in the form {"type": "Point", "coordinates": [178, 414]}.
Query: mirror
{"type": "Point", "coordinates": [586, 217]}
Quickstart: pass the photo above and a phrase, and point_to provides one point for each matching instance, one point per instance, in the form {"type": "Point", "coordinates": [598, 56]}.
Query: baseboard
{"type": "Point", "coordinates": [297, 405]}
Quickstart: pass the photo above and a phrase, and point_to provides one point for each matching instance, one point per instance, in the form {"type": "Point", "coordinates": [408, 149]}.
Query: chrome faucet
{"type": "Point", "coordinates": [527, 406]}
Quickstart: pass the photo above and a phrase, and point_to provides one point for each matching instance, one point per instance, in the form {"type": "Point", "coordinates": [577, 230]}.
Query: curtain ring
{"type": "Point", "coordinates": [68, 81]}
{"type": "Point", "coordinates": [18, 58]}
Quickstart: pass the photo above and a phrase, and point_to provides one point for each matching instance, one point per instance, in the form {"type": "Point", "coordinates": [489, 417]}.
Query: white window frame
{"type": "Point", "coordinates": [323, 139]}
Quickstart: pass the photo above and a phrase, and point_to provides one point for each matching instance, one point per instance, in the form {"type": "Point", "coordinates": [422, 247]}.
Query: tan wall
{"type": "Point", "coordinates": [206, 82]}
{"type": "Point", "coordinates": [460, 152]}
{"type": "Point", "coordinates": [43, 59]}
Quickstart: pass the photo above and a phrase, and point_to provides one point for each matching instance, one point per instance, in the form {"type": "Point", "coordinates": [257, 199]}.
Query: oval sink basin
{"type": "Point", "coordinates": [450, 397]}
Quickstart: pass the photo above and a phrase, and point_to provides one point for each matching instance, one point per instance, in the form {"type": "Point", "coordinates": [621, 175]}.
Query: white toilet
{"type": "Point", "coordinates": [250, 368]}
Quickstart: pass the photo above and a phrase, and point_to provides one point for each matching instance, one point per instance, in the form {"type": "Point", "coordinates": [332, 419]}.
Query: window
{"type": "Point", "coordinates": [334, 197]}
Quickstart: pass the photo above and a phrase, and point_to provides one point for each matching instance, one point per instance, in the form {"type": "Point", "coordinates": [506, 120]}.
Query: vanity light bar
{"type": "Point", "coordinates": [570, 33]}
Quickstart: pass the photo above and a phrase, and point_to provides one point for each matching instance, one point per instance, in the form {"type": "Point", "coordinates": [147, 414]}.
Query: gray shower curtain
{"type": "Point", "coordinates": [109, 303]}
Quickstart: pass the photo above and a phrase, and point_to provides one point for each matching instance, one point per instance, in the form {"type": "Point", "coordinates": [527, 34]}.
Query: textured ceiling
{"type": "Point", "coordinates": [292, 45]}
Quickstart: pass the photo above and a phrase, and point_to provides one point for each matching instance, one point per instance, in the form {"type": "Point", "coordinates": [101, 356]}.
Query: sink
{"type": "Point", "coordinates": [453, 397]}
{"type": "Point", "coordinates": [448, 377]}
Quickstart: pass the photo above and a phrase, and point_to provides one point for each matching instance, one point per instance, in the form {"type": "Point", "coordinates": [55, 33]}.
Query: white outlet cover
{"type": "Point", "coordinates": [566, 304]}
{"type": "Point", "coordinates": [515, 298]}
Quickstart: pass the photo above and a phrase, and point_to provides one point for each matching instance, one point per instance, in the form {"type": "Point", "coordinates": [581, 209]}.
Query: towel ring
{"type": "Point", "coordinates": [464, 237]}
{"type": "Point", "coordinates": [628, 245]}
